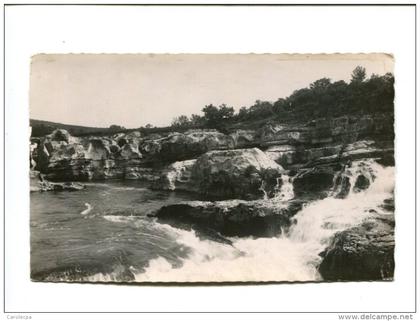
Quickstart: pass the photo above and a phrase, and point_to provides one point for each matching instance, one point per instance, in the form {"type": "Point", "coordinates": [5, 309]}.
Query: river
{"type": "Point", "coordinates": [103, 234]}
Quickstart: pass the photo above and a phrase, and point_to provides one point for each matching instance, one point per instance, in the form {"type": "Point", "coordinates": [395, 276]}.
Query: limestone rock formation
{"type": "Point", "coordinates": [176, 176]}
{"type": "Point", "coordinates": [60, 135]}
{"type": "Point", "coordinates": [39, 184]}
{"type": "Point", "coordinates": [364, 252]}
{"type": "Point", "coordinates": [183, 146]}
{"type": "Point", "coordinates": [229, 174]}
{"type": "Point", "coordinates": [243, 138]}
{"type": "Point", "coordinates": [231, 218]}
{"type": "Point", "coordinates": [298, 145]}
{"type": "Point", "coordinates": [315, 182]}
{"type": "Point", "coordinates": [241, 173]}
{"type": "Point", "coordinates": [285, 155]}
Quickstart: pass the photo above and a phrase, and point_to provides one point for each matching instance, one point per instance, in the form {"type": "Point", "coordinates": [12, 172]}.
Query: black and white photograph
{"type": "Point", "coordinates": [210, 160]}
{"type": "Point", "coordinates": [209, 168]}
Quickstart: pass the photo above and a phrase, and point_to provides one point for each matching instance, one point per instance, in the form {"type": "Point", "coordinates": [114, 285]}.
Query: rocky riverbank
{"type": "Point", "coordinates": [62, 157]}
{"type": "Point", "coordinates": [249, 182]}
{"type": "Point", "coordinates": [363, 252]}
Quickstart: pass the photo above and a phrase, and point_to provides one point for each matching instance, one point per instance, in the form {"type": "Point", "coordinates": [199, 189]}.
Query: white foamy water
{"type": "Point", "coordinates": [284, 189]}
{"type": "Point", "coordinates": [119, 218]}
{"type": "Point", "coordinates": [320, 220]}
{"type": "Point", "coordinates": [285, 193]}
{"type": "Point", "coordinates": [291, 257]}
{"type": "Point", "coordinates": [87, 210]}
{"type": "Point", "coordinates": [263, 259]}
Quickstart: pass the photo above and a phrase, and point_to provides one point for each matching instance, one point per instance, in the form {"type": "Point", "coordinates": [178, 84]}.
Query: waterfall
{"type": "Point", "coordinates": [284, 188]}
{"type": "Point", "coordinates": [293, 256]}
{"type": "Point", "coordinates": [283, 191]}
{"type": "Point", "coordinates": [317, 222]}
{"type": "Point", "coordinates": [262, 189]}
{"type": "Point", "coordinates": [345, 180]}
{"type": "Point", "coordinates": [338, 183]}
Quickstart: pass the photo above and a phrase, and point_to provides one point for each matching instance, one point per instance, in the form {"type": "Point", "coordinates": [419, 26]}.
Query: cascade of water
{"type": "Point", "coordinates": [284, 188]}
{"type": "Point", "coordinates": [290, 257]}
{"type": "Point", "coordinates": [320, 220]}
{"type": "Point", "coordinates": [337, 183]}
{"type": "Point", "coordinates": [345, 180]}
{"type": "Point", "coordinates": [262, 189]}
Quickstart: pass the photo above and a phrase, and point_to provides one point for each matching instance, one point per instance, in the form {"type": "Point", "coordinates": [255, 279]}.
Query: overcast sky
{"type": "Point", "coordinates": [134, 90]}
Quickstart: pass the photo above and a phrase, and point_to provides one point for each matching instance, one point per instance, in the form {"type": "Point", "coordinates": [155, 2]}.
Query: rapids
{"type": "Point", "coordinates": [117, 242]}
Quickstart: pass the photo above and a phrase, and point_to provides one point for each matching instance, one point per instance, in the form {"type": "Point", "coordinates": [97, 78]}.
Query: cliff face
{"type": "Point", "coordinates": [318, 143]}
{"type": "Point", "coordinates": [254, 181]}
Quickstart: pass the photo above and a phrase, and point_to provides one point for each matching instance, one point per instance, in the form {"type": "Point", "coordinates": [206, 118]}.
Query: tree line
{"type": "Point", "coordinates": [322, 98]}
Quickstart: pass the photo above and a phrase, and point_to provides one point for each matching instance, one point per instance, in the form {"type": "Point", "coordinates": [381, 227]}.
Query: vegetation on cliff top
{"type": "Point", "coordinates": [323, 98]}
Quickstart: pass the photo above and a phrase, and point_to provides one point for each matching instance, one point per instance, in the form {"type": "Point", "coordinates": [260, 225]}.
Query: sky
{"type": "Point", "coordinates": [137, 89]}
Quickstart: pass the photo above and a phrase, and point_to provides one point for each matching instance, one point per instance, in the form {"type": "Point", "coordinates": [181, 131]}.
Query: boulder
{"type": "Point", "coordinates": [114, 149]}
{"type": "Point", "coordinates": [41, 154]}
{"type": "Point", "coordinates": [32, 154]}
{"type": "Point", "coordinates": [67, 186]}
{"type": "Point", "coordinates": [34, 181]}
{"type": "Point", "coordinates": [192, 144]}
{"type": "Point", "coordinates": [176, 176]}
{"type": "Point", "coordinates": [54, 147]}
{"type": "Point", "coordinates": [364, 252]}
{"type": "Point", "coordinates": [134, 138]}
{"type": "Point", "coordinates": [183, 146]}
{"type": "Point", "coordinates": [361, 183]}
{"type": "Point", "coordinates": [130, 151]}
{"type": "Point", "coordinates": [150, 147]}
{"type": "Point", "coordinates": [243, 138]}
{"type": "Point", "coordinates": [231, 218]}
{"type": "Point", "coordinates": [241, 173]}
{"type": "Point", "coordinates": [66, 152]}
{"type": "Point", "coordinates": [133, 135]}
{"type": "Point", "coordinates": [39, 184]}
{"type": "Point", "coordinates": [98, 149]}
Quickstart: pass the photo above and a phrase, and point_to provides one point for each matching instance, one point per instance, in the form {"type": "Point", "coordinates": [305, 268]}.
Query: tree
{"type": "Point", "coordinates": [116, 128]}
{"type": "Point", "coordinates": [358, 75]}
{"type": "Point", "coordinates": [148, 126]}
{"type": "Point", "coordinates": [320, 84]}
{"type": "Point", "coordinates": [210, 113]}
{"type": "Point", "coordinates": [214, 115]}
{"type": "Point", "coordinates": [243, 113]}
{"type": "Point", "coordinates": [196, 120]}
{"type": "Point", "coordinates": [181, 121]}
{"type": "Point", "coordinates": [261, 109]}
{"type": "Point", "coordinates": [226, 112]}
{"type": "Point", "coordinates": [280, 106]}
